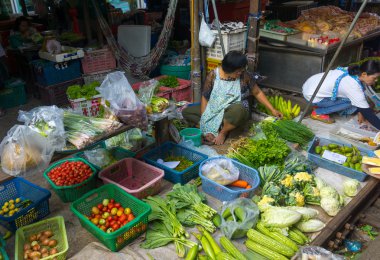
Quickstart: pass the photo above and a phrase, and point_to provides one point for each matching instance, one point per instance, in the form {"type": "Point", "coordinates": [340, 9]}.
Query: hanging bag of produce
{"type": "Point", "coordinates": [238, 216]}
{"type": "Point", "coordinates": [124, 102]}
{"type": "Point", "coordinates": [24, 151]}
{"type": "Point", "coordinates": [206, 36]}
{"type": "Point", "coordinates": [222, 171]}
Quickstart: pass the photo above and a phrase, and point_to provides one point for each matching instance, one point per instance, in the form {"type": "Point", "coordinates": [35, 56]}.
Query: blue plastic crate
{"type": "Point", "coordinates": [4, 253]}
{"type": "Point", "coordinates": [332, 166]}
{"type": "Point", "coordinates": [224, 193]}
{"type": "Point", "coordinates": [50, 73]}
{"type": "Point", "coordinates": [172, 149]}
{"type": "Point", "coordinates": [20, 188]}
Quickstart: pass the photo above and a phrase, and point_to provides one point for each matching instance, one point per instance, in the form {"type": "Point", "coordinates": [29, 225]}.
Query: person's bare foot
{"type": "Point", "coordinates": [220, 139]}
{"type": "Point", "coordinates": [210, 138]}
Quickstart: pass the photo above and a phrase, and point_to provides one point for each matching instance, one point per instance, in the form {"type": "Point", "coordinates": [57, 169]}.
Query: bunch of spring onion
{"type": "Point", "coordinates": [82, 130]}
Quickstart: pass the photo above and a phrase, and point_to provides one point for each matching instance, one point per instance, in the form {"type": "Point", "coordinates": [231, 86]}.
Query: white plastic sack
{"type": "Point", "coordinates": [124, 102]}
{"type": "Point", "coordinates": [24, 151]}
{"type": "Point", "coordinates": [222, 171]}
{"type": "Point", "coordinates": [206, 36]}
{"type": "Point", "coordinates": [48, 122]}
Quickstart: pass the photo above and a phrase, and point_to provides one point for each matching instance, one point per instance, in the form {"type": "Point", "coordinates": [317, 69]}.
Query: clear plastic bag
{"type": "Point", "coordinates": [24, 151]}
{"type": "Point", "coordinates": [206, 36]}
{"type": "Point", "coordinates": [147, 90]}
{"type": "Point", "coordinates": [205, 149]}
{"type": "Point", "coordinates": [233, 228]}
{"type": "Point", "coordinates": [315, 252]}
{"type": "Point", "coordinates": [48, 122]}
{"type": "Point", "coordinates": [222, 171]}
{"type": "Point", "coordinates": [135, 139]}
{"type": "Point", "coordinates": [124, 102]}
{"type": "Point", "coordinates": [99, 156]}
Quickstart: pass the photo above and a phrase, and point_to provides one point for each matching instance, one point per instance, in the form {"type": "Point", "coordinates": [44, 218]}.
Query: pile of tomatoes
{"type": "Point", "coordinates": [70, 173]}
{"type": "Point", "coordinates": [109, 216]}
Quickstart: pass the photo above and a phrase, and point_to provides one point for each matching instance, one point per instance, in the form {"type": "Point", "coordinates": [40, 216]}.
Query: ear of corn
{"type": "Point", "coordinates": [262, 250]}
{"type": "Point", "coordinates": [277, 236]}
{"type": "Point", "coordinates": [224, 256]}
{"type": "Point", "coordinates": [231, 248]}
{"type": "Point", "coordinates": [299, 232]}
{"type": "Point", "coordinates": [266, 241]}
{"type": "Point", "coordinates": [295, 237]}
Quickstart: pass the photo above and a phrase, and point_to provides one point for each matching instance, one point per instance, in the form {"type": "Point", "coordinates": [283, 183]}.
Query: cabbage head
{"type": "Point", "coordinates": [330, 205]}
{"type": "Point", "coordinates": [351, 187]}
{"type": "Point", "coordinates": [307, 213]}
{"type": "Point", "coordinates": [280, 217]}
{"type": "Point", "coordinates": [329, 192]}
{"type": "Point", "coordinates": [320, 183]}
{"type": "Point", "coordinates": [312, 225]}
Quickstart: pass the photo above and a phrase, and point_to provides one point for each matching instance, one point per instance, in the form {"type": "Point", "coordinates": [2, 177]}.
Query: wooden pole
{"type": "Point", "coordinates": [195, 53]}
{"type": "Point", "coordinates": [253, 33]}
{"type": "Point", "coordinates": [23, 7]}
{"type": "Point", "coordinates": [203, 49]}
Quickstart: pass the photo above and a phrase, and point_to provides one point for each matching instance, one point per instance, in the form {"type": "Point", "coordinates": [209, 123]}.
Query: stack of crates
{"type": "Point", "coordinates": [53, 79]}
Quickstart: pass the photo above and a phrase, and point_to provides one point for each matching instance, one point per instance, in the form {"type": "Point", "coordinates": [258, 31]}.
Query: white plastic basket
{"type": "Point", "coordinates": [233, 41]}
{"type": "Point", "coordinates": [68, 53]}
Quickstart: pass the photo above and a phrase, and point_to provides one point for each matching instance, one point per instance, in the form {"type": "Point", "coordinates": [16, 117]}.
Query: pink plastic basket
{"type": "Point", "coordinates": [135, 177]}
{"type": "Point", "coordinates": [98, 61]}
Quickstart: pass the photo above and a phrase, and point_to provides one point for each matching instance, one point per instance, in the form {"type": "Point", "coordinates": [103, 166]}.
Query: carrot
{"type": "Point", "coordinates": [248, 187]}
{"type": "Point", "coordinates": [240, 184]}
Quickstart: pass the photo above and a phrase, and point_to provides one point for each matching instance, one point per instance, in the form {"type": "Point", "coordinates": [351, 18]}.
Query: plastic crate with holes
{"type": "Point", "coordinates": [135, 177]}
{"type": "Point", "coordinates": [56, 225]}
{"type": "Point", "coordinates": [233, 41]}
{"type": "Point", "coordinates": [72, 192]}
{"type": "Point", "coordinates": [56, 94]}
{"type": "Point", "coordinates": [101, 60]}
{"type": "Point", "coordinates": [25, 190]}
{"type": "Point", "coordinates": [227, 193]}
{"type": "Point", "coordinates": [172, 149]}
{"type": "Point", "coordinates": [126, 234]}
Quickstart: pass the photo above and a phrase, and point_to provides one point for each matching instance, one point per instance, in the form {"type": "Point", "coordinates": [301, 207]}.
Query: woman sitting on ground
{"type": "Point", "coordinates": [225, 105]}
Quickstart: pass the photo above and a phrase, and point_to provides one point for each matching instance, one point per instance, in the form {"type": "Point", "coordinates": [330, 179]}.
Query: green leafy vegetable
{"type": "Point", "coordinates": [184, 162]}
{"type": "Point", "coordinates": [169, 81]}
{"type": "Point", "coordinates": [370, 231]}
{"type": "Point", "coordinates": [280, 217]}
{"type": "Point", "coordinates": [86, 91]}
{"type": "Point", "coordinates": [311, 225]}
{"type": "Point", "coordinates": [351, 187]}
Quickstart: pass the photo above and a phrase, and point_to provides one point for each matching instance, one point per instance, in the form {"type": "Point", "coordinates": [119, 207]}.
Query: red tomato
{"type": "Point", "coordinates": [122, 218]}
{"type": "Point", "coordinates": [130, 217]}
{"type": "Point", "coordinates": [117, 205]}
{"type": "Point", "coordinates": [115, 226]}
{"type": "Point", "coordinates": [110, 205]}
{"type": "Point", "coordinates": [112, 201]}
{"type": "Point", "coordinates": [109, 218]}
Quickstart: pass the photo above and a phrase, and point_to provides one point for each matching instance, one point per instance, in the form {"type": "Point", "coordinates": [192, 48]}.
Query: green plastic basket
{"type": "Point", "coordinates": [126, 234]}
{"type": "Point", "coordinates": [56, 225]}
{"type": "Point", "coordinates": [73, 192]}
{"type": "Point", "coordinates": [192, 134]}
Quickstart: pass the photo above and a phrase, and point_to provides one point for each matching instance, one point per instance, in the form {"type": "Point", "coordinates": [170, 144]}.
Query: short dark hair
{"type": "Point", "coordinates": [19, 20]}
{"type": "Point", "coordinates": [370, 67]}
{"type": "Point", "coordinates": [233, 61]}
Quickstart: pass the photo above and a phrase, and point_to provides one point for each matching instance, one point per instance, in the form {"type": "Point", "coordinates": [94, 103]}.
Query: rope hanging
{"type": "Point", "coordinates": [139, 67]}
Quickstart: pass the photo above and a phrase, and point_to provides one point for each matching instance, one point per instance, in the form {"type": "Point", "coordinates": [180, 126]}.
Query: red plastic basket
{"type": "Point", "coordinates": [98, 61]}
{"type": "Point", "coordinates": [135, 177]}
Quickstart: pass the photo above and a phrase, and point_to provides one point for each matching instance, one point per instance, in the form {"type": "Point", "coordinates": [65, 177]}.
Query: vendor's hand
{"type": "Point", "coordinates": [277, 113]}
{"type": "Point", "coordinates": [361, 118]}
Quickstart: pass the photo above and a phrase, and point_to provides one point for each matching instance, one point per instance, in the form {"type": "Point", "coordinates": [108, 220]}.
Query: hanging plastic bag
{"type": "Point", "coordinates": [124, 102]}
{"type": "Point", "coordinates": [222, 171]}
{"type": "Point", "coordinates": [48, 122]}
{"type": "Point", "coordinates": [206, 36]}
{"type": "Point", "coordinates": [24, 151]}
{"type": "Point", "coordinates": [234, 227]}
{"type": "Point", "coordinates": [147, 91]}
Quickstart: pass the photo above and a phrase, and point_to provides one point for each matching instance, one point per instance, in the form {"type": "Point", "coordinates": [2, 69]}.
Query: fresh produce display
{"type": "Point", "coordinates": [255, 153]}
{"type": "Point", "coordinates": [351, 187]}
{"type": "Point", "coordinates": [83, 130]}
{"type": "Point", "coordinates": [157, 105]}
{"type": "Point", "coordinates": [168, 81]}
{"type": "Point", "coordinates": [288, 130]}
{"type": "Point", "coordinates": [184, 162]}
{"type": "Point", "coordinates": [352, 154]}
{"type": "Point", "coordinates": [284, 106]}
{"type": "Point", "coordinates": [110, 215]}
{"type": "Point", "coordinates": [41, 245]}
{"type": "Point", "coordinates": [11, 207]}
{"type": "Point", "coordinates": [87, 91]}
{"type": "Point", "coordinates": [275, 26]}
{"type": "Point", "coordinates": [331, 201]}
{"type": "Point", "coordinates": [70, 173]}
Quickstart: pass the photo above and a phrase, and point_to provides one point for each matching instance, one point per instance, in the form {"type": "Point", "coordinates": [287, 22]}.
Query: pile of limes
{"type": "Point", "coordinates": [11, 207]}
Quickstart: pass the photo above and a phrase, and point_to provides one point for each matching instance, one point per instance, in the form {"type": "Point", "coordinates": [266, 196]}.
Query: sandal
{"type": "Point", "coordinates": [323, 118]}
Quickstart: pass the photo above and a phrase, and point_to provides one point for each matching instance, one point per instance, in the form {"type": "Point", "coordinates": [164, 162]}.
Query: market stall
{"type": "Point", "coordinates": [312, 38]}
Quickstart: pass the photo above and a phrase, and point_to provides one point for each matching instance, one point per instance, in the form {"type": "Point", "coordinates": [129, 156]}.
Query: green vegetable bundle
{"type": "Point", "coordinates": [86, 91]}
{"type": "Point", "coordinates": [169, 81]}
{"type": "Point", "coordinates": [184, 162]}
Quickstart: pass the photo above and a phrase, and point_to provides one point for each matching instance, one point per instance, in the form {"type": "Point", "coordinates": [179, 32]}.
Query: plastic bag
{"type": "Point", "coordinates": [99, 156]}
{"type": "Point", "coordinates": [135, 139]}
{"type": "Point", "coordinates": [147, 90]}
{"type": "Point", "coordinates": [205, 149]}
{"type": "Point", "coordinates": [315, 252]}
{"type": "Point", "coordinates": [222, 171]}
{"type": "Point", "coordinates": [206, 36]}
{"type": "Point", "coordinates": [124, 102]}
{"type": "Point", "coordinates": [233, 228]}
{"type": "Point", "coordinates": [48, 122]}
{"type": "Point", "coordinates": [24, 151]}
